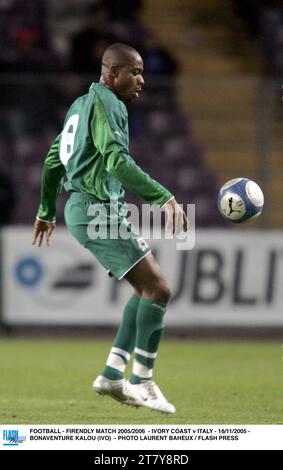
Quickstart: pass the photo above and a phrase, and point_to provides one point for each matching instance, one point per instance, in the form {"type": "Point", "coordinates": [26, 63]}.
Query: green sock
{"type": "Point", "coordinates": [149, 332]}
{"type": "Point", "coordinates": [124, 342]}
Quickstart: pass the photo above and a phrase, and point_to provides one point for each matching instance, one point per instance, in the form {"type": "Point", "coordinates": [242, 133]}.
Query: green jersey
{"type": "Point", "coordinates": [93, 151]}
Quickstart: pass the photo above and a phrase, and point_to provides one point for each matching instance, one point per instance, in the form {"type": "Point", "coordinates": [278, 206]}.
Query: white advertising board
{"type": "Point", "coordinates": [230, 278]}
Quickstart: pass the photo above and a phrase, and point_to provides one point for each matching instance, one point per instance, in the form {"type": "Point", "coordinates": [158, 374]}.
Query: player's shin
{"type": "Point", "coordinates": [124, 342]}
{"type": "Point", "coordinates": [149, 333]}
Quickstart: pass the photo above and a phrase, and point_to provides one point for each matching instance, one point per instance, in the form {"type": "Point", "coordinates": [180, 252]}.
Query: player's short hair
{"type": "Point", "coordinates": [118, 54]}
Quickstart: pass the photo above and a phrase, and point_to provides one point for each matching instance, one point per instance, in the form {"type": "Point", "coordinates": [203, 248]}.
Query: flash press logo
{"type": "Point", "coordinates": [11, 437]}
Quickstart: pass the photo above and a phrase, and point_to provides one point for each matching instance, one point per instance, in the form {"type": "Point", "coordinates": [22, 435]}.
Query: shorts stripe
{"type": "Point", "coordinates": [136, 262]}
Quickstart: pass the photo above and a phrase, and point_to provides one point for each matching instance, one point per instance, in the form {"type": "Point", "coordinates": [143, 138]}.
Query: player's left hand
{"type": "Point", "coordinates": [41, 228]}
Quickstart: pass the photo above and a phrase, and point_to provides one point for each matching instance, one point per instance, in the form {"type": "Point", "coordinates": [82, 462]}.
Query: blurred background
{"type": "Point", "coordinates": [211, 110]}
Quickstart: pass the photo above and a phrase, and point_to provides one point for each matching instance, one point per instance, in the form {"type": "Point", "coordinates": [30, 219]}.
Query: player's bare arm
{"type": "Point", "coordinates": [41, 229]}
{"type": "Point", "coordinates": [176, 219]}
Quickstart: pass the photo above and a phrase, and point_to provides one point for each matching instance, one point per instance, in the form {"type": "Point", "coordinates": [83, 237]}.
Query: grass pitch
{"type": "Point", "coordinates": [49, 382]}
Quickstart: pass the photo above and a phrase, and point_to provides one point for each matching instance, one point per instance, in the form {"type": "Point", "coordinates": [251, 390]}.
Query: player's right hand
{"type": "Point", "coordinates": [177, 220]}
{"type": "Point", "coordinates": [41, 228]}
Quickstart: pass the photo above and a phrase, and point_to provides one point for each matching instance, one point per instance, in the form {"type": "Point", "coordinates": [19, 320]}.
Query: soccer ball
{"type": "Point", "coordinates": [240, 200]}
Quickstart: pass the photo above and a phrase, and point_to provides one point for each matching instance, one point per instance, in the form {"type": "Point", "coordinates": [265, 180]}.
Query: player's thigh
{"type": "Point", "coordinates": [146, 275]}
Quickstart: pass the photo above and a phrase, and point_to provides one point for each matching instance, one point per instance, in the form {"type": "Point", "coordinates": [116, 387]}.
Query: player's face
{"type": "Point", "coordinates": [129, 81]}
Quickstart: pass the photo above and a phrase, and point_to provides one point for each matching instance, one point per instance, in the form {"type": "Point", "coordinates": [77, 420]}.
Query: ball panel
{"type": "Point", "coordinates": [230, 183]}
{"type": "Point", "coordinates": [254, 193]}
{"type": "Point", "coordinates": [253, 217]}
{"type": "Point", "coordinates": [232, 206]}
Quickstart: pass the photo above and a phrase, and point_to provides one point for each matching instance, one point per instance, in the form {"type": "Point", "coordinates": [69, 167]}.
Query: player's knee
{"type": "Point", "coordinates": [138, 292]}
{"type": "Point", "coordinates": [164, 292]}
{"type": "Point", "coordinates": [159, 291]}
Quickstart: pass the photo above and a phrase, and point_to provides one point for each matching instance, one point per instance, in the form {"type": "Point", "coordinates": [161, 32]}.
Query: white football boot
{"type": "Point", "coordinates": [152, 397]}
{"type": "Point", "coordinates": [120, 390]}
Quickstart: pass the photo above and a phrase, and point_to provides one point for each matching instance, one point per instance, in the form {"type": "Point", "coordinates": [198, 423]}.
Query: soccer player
{"type": "Point", "coordinates": [92, 151]}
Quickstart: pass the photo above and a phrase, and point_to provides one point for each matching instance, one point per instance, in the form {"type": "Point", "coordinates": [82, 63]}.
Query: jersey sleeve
{"type": "Point", "coordinates": [109, 136]}
{"type": "Point", "coordinates": [51, 183]}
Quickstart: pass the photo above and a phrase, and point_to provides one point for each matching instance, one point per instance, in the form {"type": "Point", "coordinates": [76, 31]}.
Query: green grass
{"type": "Point", "coordinates": [49, 382]}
